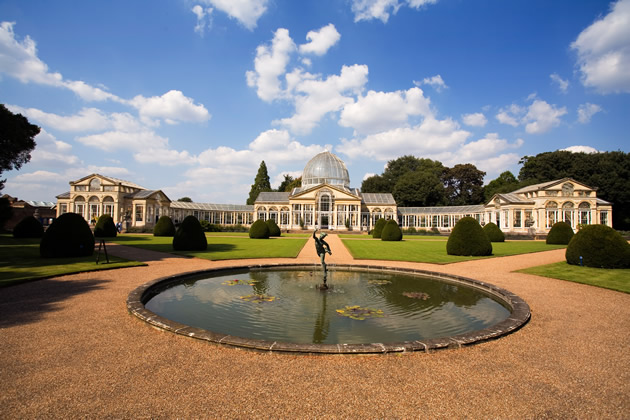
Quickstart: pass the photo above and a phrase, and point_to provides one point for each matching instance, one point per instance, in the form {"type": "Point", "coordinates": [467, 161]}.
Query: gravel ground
{"type": "Point", "coordinates": [70, 349]}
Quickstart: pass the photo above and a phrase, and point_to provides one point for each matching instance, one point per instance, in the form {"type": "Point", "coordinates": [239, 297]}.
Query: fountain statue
{"type": "Point", "coordinates": [322, 247]}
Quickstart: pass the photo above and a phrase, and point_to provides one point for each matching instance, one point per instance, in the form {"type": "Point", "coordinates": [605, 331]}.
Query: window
{"type": "Point", "coordinates": [95, 184]}
{"type": "Point", "coordinates": [324, 203]}
{"type": "Point", "coordinates": [109, 188]}
{"type": "Point", "coordinates": [567, 190]}
{"type": "Point", "coordinates": [603, 217]}
{"type": "Point", "coordinates": [63, 208]}
{"type": "Point", "coordinates": [139, 212]}
{"type": "Point", "coordinates": [567, 213]}
{"type": "Point", "coordinates": [80, 187]}
{"type": "Point", "coordinates": [517, 218]}
{"type": "Point", "coordinates": [551, 213]}
{"type": "Point", "coordinates": [529, 218]}
{"type": "Point", "coordinates": [584, 210]}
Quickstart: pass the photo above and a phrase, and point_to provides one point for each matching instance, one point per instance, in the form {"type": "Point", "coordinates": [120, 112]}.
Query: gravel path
{"type": "Point", "coordinates": [70, 349]}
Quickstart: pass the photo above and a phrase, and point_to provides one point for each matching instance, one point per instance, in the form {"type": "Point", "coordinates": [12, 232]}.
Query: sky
{"type": "Point", "coordinates": [189, 96]}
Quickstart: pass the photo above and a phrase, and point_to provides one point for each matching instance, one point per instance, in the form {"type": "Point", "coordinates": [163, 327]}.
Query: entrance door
{"type": "Point", "coordinates": [324, 221]}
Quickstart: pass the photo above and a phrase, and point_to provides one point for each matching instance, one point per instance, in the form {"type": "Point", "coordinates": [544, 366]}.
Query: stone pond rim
{"type": "Point", "coordinates": [519, 315]}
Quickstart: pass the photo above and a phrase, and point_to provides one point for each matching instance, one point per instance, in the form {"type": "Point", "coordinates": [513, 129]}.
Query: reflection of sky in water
{"type": "Point", "coordinates": [301, 313]}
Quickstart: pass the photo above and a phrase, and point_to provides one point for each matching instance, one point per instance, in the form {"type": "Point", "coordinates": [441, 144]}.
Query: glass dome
{"type": "Point", "coordinates": [325, 168]}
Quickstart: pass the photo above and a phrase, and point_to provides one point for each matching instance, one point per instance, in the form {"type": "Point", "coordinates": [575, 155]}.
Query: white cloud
{"type": "Point", "coordinates": [246, 12]}
{"type": "Point", "coordinates": [112, 141]}
{"type": "Point", "coordinates": [436, 82]}
{"type": "Point", "coordinates": [382, 111]}
{"type": "Point", "coordinates": [49, 150]}
{"type": "Point", "coordinates": [204, 18]}
{"type": "Point", "coordinates": [88, 119]}
{"type": "Point", "coordinates": [270, 63]}
{"type": "Point", "coordinates": [581, 149]}
{"type": "Point", "coordinates": [586, 112]}
{"type": "Point", "coordinates": [474, 120]}
{"type": "Point", "coordinates": [164, 157]}
{"type": "Point", "coordinates": [563, 84]}
{"type": "Point", "coordinates": [173, 107]}
{"type": "Point", "coordinates": [604, 51]}
{"type": "Point", "coordinates": [510, 115]}
{"type": "Point", "coordinates": [479, 150]}
{"type": "Point", "coordinates": [320, 41]}
{"type": "Point", "coordinates": [539, 117]}
{"type": "Point", "coordinates": [381, 9]}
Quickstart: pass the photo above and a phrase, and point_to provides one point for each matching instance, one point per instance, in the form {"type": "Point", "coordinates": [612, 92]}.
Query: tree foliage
{"type": "Point", "coordinates": [185, 200]}
{"type": "Point", "coordinates": [68, 236]}
{"type": "Point", "coordinates": [189, 236]}
{"type": "Point", "coordinates": [288, 183]}
{"type": "Point", "coordinates": [464, 185]}
{"type": "Point", "coordinates": [391, 231]}
{"type": "Point", "coordinates": [16, 141]}
{"type": "Point", "coordinates": [598, 246]}
{"type": "Point", "coordinates": [504, 183]}
{"type": "Point", "coordinates": [105, 227]}
{"type": "Point", "coordinates": [259, 230]}
{"type": "Point", "coordinates": [28, 227]}
{"type": "Point", "coordinates": [468, 238]}
{"type": "Point", "coordinates": [164, 227]}
{"type": "Point", "coordinates": [261, 183]}
{"type": "Point", "coordinates": [419, 189]}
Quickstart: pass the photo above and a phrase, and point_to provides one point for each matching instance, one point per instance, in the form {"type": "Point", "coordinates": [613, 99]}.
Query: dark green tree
{"type": "Point", "coordinates": [185, 200]}
{"type": "Point", "coordinates": [504, 183]}
{"type": "Point", "coordinates": [6, 211]}
{"type": "Point", "coordinates": [396, 169]}
{"type": "Point", "coordinates": [16, 141]}
{"type": "Point", "coordinates": [297, 182]}
{"type": "Point", "coordinates": [375, 184]}
{"type": "Point", "coordinates": [261, 183]}
{"type": "Point", "coordinates": [464, 185]}
{"type": "Point", "coordinates": [287, 183]}
{"type": "Point", "coordinates": [420, 188]}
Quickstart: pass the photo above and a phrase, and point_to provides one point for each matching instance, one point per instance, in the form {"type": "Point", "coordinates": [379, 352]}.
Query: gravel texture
{"type": "Point", "coordinates": [70, 349]}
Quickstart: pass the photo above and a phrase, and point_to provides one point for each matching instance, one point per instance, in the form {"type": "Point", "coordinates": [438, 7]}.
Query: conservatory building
{"type": "Point", "coordinates": [326, 201]}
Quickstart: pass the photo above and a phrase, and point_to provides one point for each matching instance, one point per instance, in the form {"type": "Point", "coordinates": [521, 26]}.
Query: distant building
{"type": "Point", "coordinates": [44, 211]}
{"type": "Point", "coordinates": [326, 200]}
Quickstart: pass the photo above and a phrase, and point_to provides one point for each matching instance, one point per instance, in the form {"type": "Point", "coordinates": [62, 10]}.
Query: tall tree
{"type": "Point", "coordinates": [16, 141]}
{"type": "Point", "coordinates": [504, 183]}
{"type": "Point", "coordinates": [261, 183]}
{"type": "Point", "coordinates": [185, 200]}
{"type": "Point", "coordinates": [421, 188]}
{"type": "Point", "coordinates": [464, 185]}
{"type": "Point", "coordinates": [288, 183]}
{"type": "Point", "coordinates": [375, 184]}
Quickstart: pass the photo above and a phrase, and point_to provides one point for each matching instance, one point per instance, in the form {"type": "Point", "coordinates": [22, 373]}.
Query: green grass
{"type": "Point", "coordinates": [618, 279]}
{"type": "Point", "coordinates": [222, 247]}
{"type": "Point", "coordinates": [434, 251]}
{"type": "Point", "coordinates": [20, 262]}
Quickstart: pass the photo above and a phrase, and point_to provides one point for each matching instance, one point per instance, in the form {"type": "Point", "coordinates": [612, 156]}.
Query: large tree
{"type": "Point", "coordinates": [464, 184]}
{"type": "Point", "coordinates": [288, 183]}
{"type": "Point", "coordinates": [396, 168]}
{"type": "Point", "coordinates": [261, 183]}
{"type": "Point", "coordinates": [16, 141]}
{"type": "Point", "coordinates": [419, 189]}
{"type": "Point", "coordinates": [504, 183]}
{"type": "Point", "coordinates": [609, 172]}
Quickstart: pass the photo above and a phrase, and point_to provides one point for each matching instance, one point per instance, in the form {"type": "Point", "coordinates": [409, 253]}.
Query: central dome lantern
{"type": "Point", "coordinates": [325, 168]}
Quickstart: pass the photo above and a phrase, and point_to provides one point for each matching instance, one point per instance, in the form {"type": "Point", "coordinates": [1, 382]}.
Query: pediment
{"type": "Point", "coordinates": [339, 193]}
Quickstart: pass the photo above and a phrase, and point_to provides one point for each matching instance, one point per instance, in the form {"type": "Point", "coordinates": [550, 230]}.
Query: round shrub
{"type": "Point", "coordinates": [468, 238]}
{"type": "Point", "coordinates": [164, 227]}
{"type": "Point", "coordinates": [29, 227]}
{"type": "Point", "coordinates": [274, 230]}
{"type": "Point", "coordinates": [560, 234]}
{"type": "Point", "coordinates": [189, 236]}
{"type": "Point", "coordinates": [259, 230]}
{"type": "Point", "coordinates": [378, 228]}
{"type": "Point", "coordinates": [494, 233]}
{"type": "Point", "coordinates": [391, 231]}
{"type": "Point", "coordinates": [599, 246]}
{"type": "Point", "coordinates": [68, 236]}
{"type": "Point", "coordinates": [105, 227]}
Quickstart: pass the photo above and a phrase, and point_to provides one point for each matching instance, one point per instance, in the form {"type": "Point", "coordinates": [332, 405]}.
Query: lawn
{"type": "Point", "coordinates": [610, 279]}
{"type": "Point", "coordinates": [222, 247]}
{"type": "Point", "coordinates": [433, 251]}
{"type": "Point", "coordinates": [20, 262]}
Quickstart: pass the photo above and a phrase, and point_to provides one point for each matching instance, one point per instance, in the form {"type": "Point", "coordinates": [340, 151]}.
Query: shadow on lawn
{"type": "Point", "coordinates": [27, 303]}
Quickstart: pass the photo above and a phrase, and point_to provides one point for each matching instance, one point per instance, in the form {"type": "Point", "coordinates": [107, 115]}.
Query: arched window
{"type": "Point", "coordinates": [94, 207]}
{"type": "Point", "coordinates": [95, 184]}
{"type": "Point", "coordinates": [567, 212]}
{"type": "Point", "coordinates": [108, 206]}
{"type": "Point", "coordinates": [567, 190]}
{"type": "Point", "coordinates": [551, 213]}
{"type": "Point", "coordinates": [584, 210]}
{"type": "Point", "coordinates": [79, 206]}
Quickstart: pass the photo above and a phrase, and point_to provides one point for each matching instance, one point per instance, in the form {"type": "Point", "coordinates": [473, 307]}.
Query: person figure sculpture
{"type": "Point", "coordinates": [322, 247]}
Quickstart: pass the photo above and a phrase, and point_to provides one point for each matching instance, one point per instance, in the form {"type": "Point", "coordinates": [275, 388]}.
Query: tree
{"type": "Point", "coordinates": [420, 188]}
{"type": "Point", "coordinates": [504, 183]}
{"type": "Point", "coordinates": [185, 200]}
{"type": "Point", "coordinates": [397, 168]}
{"type": "Point", "coordinates": [297, 182]}
{"type": "Point", "coordinates": [261, 183]}
{"type": "Point", "coordinates": [288, 183]}
{"type": "Point", "coordinates": [375, 184]}
{"type": "Point", "coordinates": [464, 184]}
{"type": "Point", "coordinates": [16, 141]}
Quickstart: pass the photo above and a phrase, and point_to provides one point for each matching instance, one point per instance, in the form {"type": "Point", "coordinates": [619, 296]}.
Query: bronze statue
{"type": "Point", "coordinates": [322, 247]}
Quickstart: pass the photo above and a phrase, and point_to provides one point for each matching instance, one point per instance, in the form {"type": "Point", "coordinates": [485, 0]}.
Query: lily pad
{"type": "Point", "coordinates": [237, 281]}
{"type": "Point", "coordinates": [417, 295]}
{"type": "Point", "coordinates": [359, 313]}
{"type": "Point", "coordinates": [379, 282]}
{"type": "Point", "coordinates": [258, 298]}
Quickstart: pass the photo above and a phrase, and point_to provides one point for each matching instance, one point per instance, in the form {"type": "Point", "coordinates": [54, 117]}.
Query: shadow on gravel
{"type": "Point", "coordinates": [27, 303]}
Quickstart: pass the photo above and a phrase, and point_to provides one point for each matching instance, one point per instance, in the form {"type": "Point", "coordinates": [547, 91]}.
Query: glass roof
{"type": "Point", "coordinates": [325, 168]}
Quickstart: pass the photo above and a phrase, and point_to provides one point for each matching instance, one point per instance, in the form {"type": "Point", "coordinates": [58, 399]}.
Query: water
{"type": "Point", "coordinates": [294, 310]}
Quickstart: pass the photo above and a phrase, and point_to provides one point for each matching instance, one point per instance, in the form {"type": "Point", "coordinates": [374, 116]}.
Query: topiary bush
{"type": "Point", "coordinates": [378, 228]}
{"type": "Point", "coordinates": [494, 233]}
{"type": "Point", "coordinates": [391, 231]}
{"type": "Point", "coordinates": [68, 236]}
{"type": "Point", "coordinates": [29, 227]}
{"type": "Point", "coordinates": [560, 234]}
{"type": "Point", "coordinates": [105, 227]}
{"type": "Point", "coordinates": [189, 236]}
{"type": "Point", "coordinates": [468, 238]}
{"type": "Point", "coordinates": [259, 230]}
{"type": "Point", "coordinates": [274, 230]}
{"type": "Point", "coordinates": [164, 227]}
{"type": "Point", "coordinates": [599, 246]}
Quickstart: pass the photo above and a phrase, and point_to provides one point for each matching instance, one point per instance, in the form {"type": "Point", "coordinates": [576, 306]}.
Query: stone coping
{"type": "Point", "coordinates": [520, 315]}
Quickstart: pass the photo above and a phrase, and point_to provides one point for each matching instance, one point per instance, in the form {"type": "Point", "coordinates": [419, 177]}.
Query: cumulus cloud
{"type": "Point", "coordinates": [581, 149]}
{"type": "Point", "coordinates": [321, 40]}
{"type": "Point", "coordinates": [49, 150]}
{"type": "Point", "coordinates": [204, 18]}
{"type": "Point", "coordinates": [603, 51]}
{"type": "Point", "coordinates": [173, 107]}
{"type": "Point", "coordinates": [586, 112]}
{"type": "Point", "coordinates": [539, 117]}
{"type": "Point", "coordinates": [563, 84]}
{"type": "Point", "coordinates": [436, 82]}
{"type": "Point", "coordinates": [246, 12]}
{"type": "Point", "coordinates": [87, 119]}
{"type": "Point", "coordinates": [382, 9]}
{"type": "Point", "coordinates": [474, 120]}
{"type": "Point", "coordinates": [510, 115]}
{"type": "Point", "coordinates": [382, 111]}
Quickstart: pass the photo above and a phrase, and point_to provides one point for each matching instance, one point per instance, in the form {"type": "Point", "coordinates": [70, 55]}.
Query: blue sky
{"type": "Point", "coordinates": [190, 96]}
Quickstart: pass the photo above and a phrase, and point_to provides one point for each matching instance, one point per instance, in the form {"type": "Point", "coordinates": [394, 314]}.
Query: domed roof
{"type": "Point", "coordinates": [325, 168]}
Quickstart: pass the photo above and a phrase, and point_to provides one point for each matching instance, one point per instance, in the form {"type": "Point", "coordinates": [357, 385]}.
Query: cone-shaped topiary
{"type": "Point", "coordinates": [391, 231]}
{"type": "Point", "coordinates": [274, 230]}
{"type": "Point", "coordinates": [68, 236]}
{"type": "Point", "coordinates": [494, 233]}
{"type": "Point", "coordinates": [164, 227]}
{"type": "Point", "coordinates": [560, 234]}
{"type": "Point", "coordinates": [599, 246]}
{"type": "Point", "coordinates": [259, 230]}
{"type": "Point", "coordinates": [468, 238]}
{"type": "Point", "coordinates": [189, 236]}
{"type": "Point", "coordinates": [29, 227]}
{"type": "Point", "coordinates": [378, 228]}
{"type": "Point", "coordinates": [105, 227]}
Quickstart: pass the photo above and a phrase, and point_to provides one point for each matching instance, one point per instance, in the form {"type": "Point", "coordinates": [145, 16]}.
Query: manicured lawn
{"type": "Point", "coordinates": [433, 251]}
{"type": "Point", "coordinates": [20, 262]}
{"type": "Point", "coordinates": [223, 247]}
{"type": "Point", "coordinates": [600, 277]}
